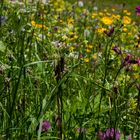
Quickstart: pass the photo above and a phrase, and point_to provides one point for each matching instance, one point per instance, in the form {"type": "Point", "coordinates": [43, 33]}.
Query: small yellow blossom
{"type": "Point", "coordinates": [113, 9]}
{"type": "Point", "coordinates": [125, 11]}
{"type": "Point", "coordinates": [70, 21]}
{"type": "Point", "coordinates": [71, 49]}
{"type": "Point", "coordinates": [125, 29]}
{"type": "Point", "coordinates": [129, 34]}
{"type": "Point", "coordinates": [117, 17]}
{"type": "Point", "coordinates": [100, 30]}
{"type": "Point", "coordinates": [128, 14]}
{"type": "Point", "coordinates": [88, 50]}
{"type": "Point", "coordinates": [107, 20]}
{"type": "Point", "coordinates": [94, 15]}
{"type": "Point", "coordinates": [90, 46]}
{"type": "Point", "coordinates": [126, 20]}
{"type": "Point", "coordinates": [86, 60]}
{"type": "Point", "coordinates": [108, 14]}
{"type": "Point", "coordinates": [94, 56]}
{"type": "Point", "coordinates": [34, 24]}
{"type": "Point", "coordinates": [101, 14]}
{"type": "Point", "coordinates": [136, 76]}
{"type": "Point", "coordinates": [105, 10]}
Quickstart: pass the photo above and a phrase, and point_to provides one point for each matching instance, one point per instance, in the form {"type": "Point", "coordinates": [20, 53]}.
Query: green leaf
{"type": "Point", "coordinates": [2, 46]}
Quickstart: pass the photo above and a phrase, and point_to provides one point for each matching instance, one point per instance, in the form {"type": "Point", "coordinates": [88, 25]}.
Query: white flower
{"type": "Point", "coordinates": [80, 4]}
{"type": "Point", "coordinates": [74, 55]}
{"type": "Point", "coordinates": [41, 36]}
{"type": "Point", "coordinates": [95, 8]}
{"type": "Point", "coordinates": [86, 33]}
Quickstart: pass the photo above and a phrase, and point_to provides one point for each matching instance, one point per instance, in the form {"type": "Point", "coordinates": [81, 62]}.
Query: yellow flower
{"type": "Point", "coordinates": [113, 9]}
{"type": "Point", "coordinates": [90, 46]}
{"type": "Point", "coordinates": [128, 14]}
{"type": "Point", "coordinates": [86, 60]}
{"type": "Point", "coordinates": [100, 30]}
{"type": "Point", "coordinates": [93, 15]}
{"type": "Point", "coordinates": [70, 21]}
{"type": "Point", "coordinates": [108, 14]}
{"type": "Point", "coordinates": [88, 50]}
{"type": "Point", "coordinates": [59, 5]}
{"type": "Point", "coordinates": [125, 29]}
{"type": "Point", "coordinates": [71, 49]}
{"type": "Point", "coordinates": [129, 34]}
{"type": "Point", "coordinates": [107, 20]}
{"type": "Point", "coordinates": [125, 11]}
{"type": "Point", "coordinates": [117, 17]}
{"type": "Point", "coordinates": [101, 14]}
{"type": "Point", "coordinates": [34, 24]}
{"type": "Point", "coordinates": [126, 20]}
{"type": "Point", "coordinates": [73, 36]}
{"type": "Point", "coordinates": [94, 56]}
{"type": "Point", "coordinates": [136, 76]}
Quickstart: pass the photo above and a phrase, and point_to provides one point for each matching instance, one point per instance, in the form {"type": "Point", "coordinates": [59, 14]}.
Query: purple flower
{"type": "Point", "coordinates": [45, 126]}
{"type": "Point", "coordinates": [132, 61]}
{"type": "Point", "coordinates": [112, 133]}
{"type": "Point", "coordinates": [127, 60]}
{"type": "Point", "coordinates": [81, 130]}
{"type": "Point", "coordinates": [110, 32]}
{"type": "Point", "coordinates": [138, 61]}
{"type": "Point", "coordinates": [101, 135]}
{"type": "Point", "coordinates": [138, 10]}
{"type": "Point", "coordinates": [3, 19]}
{"type": "Point", "coordinates": [116, 49]}
{"type": "Point", "coordinates": [129, 138]}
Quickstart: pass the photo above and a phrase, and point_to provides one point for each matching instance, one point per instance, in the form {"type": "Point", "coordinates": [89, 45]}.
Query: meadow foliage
{"type": "Point", "coordinates": [69, 71]}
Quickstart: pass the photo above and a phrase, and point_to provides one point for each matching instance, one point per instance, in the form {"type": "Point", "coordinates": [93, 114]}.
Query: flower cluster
{"type": "Point", "coordinates": [109, 134]}
{"type": "Point", "coordinates": [46, 126]}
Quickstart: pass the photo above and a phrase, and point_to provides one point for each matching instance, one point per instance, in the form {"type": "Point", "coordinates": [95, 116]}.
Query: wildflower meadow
{"type": "Point", "coordinates": [69, 70]}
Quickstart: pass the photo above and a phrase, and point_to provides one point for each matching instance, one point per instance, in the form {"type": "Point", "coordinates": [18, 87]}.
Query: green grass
{"type": "Point", "coordinates": [56, 66]}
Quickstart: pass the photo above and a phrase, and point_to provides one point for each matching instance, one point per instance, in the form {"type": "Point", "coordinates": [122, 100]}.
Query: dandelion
{"type": "Point", "coordinates": [107, 20]}
{"type": "Point", "coordinates": [126, 20]}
